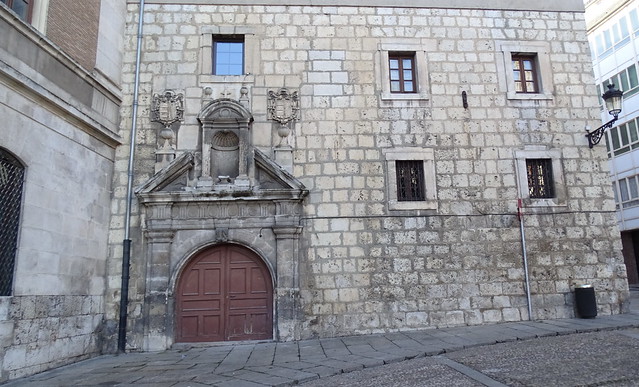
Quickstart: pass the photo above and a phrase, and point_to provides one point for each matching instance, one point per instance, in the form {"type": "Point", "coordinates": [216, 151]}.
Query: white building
{"type": "Point", "coordinates": [613, 32]}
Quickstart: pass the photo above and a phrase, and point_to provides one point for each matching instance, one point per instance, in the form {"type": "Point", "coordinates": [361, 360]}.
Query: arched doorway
{"type": "Point", "coordinates": [224, 293]}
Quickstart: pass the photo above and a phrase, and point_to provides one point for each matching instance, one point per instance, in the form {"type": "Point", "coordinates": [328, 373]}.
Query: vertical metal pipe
{"type": "Point", "coordinates": [126, 244]}
{"type": "Point", "coordinates": [520, 215]}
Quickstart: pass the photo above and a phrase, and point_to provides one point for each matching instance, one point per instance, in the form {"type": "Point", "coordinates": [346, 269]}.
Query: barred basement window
{"type": "Point", "coordinates": [410, 180]}
{"type": "Point", "coordinates": [540, 178]}
{"type": "Point", "coordinates": [11, 178]}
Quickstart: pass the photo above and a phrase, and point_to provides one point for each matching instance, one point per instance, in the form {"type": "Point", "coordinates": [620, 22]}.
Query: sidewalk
{"type": "Point", "coordinates": [276, 364]}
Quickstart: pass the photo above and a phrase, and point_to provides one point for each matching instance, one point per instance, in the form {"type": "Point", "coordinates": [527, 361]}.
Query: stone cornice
{"type": "Point", "coordinates": [539, 5]}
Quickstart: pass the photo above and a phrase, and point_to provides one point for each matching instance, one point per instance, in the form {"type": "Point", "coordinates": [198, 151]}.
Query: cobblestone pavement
{"type": "Point", "coordinates": [599, 351]}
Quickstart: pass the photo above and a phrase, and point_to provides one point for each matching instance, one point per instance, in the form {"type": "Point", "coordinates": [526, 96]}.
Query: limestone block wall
{"type": "Point", "coordinates": [369, 264]}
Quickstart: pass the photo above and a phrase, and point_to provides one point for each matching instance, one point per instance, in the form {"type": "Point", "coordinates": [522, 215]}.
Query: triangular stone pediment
{"type": "Point", "coordinates": [270, 180]}
{"type": "Point", "coordinates": [173, 177]}
{"type": "Point", "coordinates": [272, 176]}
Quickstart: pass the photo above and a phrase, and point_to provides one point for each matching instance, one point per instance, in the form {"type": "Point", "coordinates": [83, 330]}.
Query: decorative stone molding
{"type": "Point", "coordinates": [283, 107]}
{"type": "Point", "coordinates": [166, 108]}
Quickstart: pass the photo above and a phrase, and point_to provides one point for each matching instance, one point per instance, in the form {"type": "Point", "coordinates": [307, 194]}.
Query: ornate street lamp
{"type": "Point", "coordinates": [613, 99]}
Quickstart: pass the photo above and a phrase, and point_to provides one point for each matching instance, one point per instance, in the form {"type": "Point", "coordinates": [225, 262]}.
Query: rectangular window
{"type": "Point", "coordinates": [540, 178]}
{"type": "Point", "coordinates": [402, 72]}
{"type": "Point", "coordinates": [525, 74]}
{"type": "Point", "coordinates": [634, 20]}
{"type": "Point", "coordinates": [22, 7]}
{"type": "Point", "coordinates": [228, 55]}
{"type": "Point", "coordinates": [410, 180]}
{"type": "Point", "coordinates": [628, 192]}
{"type": "Point", "coordinates": [623, 138]}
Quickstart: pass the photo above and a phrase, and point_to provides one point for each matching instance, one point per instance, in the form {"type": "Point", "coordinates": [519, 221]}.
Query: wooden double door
{"type": "Point", "coordinates": [224, 294]}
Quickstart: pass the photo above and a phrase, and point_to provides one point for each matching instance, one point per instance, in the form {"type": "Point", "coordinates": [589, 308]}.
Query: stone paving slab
{"type": "Point", "coordinates": [289, 363]}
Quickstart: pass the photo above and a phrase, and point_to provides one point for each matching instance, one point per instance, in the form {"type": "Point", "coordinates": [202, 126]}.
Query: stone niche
{"type": "Point", "coordinates": [230, 194]}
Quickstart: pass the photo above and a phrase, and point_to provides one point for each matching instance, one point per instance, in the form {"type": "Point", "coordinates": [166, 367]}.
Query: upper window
{"type": "Point", "coordinates": [11, 179]}
{"type": "Point", "coordinates": [402, 72]}
{"type": "Point", "coordinates": [228, 55]}
{"type": "Point", "coordinates": [540, 178]}
{"type": "Point", "coordinates": [525, 74]}
{"type": "Point", "coordinates": [22, 7]}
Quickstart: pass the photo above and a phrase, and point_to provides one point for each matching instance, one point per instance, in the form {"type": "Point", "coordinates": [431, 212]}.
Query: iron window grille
{"type": "Point", "coordinates": [11, 180]}
{"type": "Point", "coordinates": [525, 74]}
{"type": "Point", "coordinates": [228, 55]}
{"type": "Point", "coordinates": [402, 74]}
{"type": "Point", "coordinates": [540, 178]}
{"type": "Point", "coordinates": [410, 180]}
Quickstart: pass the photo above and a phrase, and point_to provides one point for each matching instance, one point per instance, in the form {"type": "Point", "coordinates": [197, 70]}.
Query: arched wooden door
{"type": "Point", "coordinates": [225, 293]}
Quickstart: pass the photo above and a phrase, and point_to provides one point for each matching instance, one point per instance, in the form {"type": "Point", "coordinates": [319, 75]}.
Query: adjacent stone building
{"type": "Point", "coordinates": [59, 106]}
{"type": "Point", "coordinates": [314, 169]}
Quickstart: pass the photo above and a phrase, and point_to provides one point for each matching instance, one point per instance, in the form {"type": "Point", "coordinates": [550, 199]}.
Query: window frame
{"type": "Point", "coordinates": [400, 57]}
{"type": "Point", "coordinates": [623, 191]}
{"type": "Point", "coordinates": [541, 51]}
{"type": "Point", "coordinates": [219, 83]}
{"type": "Point", "coordinates": [540, 152]}
{"type": "Point", "coordinates": [28, 16]}
{"type": "Point", "coordinates": [623, 138]}
{"type": "Point", "coordinates": [409, 190]}
{"type": "Point", "coordinates": [217, 39]}
{"type": "Point", "coordinates": [382, 71]}
{"type": "Point", "coordinates": [541, 184]}
{"type": "Point", "coordinates": [427, 157]}
{"type": "Point", "coordinates": [521, 60]}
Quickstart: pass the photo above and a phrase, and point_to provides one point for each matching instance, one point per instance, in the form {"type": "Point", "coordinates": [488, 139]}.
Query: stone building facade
{"type": "Point", "coordinates": [301, 195]}
{"type": "Point", "coordinates": [58, 137]}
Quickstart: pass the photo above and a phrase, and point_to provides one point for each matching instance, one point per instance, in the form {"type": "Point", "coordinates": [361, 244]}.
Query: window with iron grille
{"type": "Point", "coordinates": [540, 178]}
{"type": "Point", "coordinates": [22, 7]}
{"type": "Point", "coordinates": [11, 178]}
{"type": "Point", "coordinates": [402, 72]}
{"type": "Point", "coordinates": [410, 180]}
{"type": "Point", "coordinates": [228, 54]}
{"type": "Point", "coordinates": [525, 74]}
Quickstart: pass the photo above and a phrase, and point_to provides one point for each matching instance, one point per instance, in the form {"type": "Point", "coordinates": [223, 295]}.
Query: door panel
{"type": "Point", "coordinates": [224, 293]}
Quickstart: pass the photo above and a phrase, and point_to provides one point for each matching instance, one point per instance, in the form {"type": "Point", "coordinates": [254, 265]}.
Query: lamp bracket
{"type": "Point", "coordinates": [596, 135]}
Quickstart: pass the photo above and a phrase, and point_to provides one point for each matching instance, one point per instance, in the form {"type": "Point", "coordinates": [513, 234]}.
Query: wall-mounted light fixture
{"type": "Point", "coordinates": [613, 99]}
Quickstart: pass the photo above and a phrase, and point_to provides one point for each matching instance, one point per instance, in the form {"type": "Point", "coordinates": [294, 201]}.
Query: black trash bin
{"type": "Point", "coordinates": [586, 301]}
